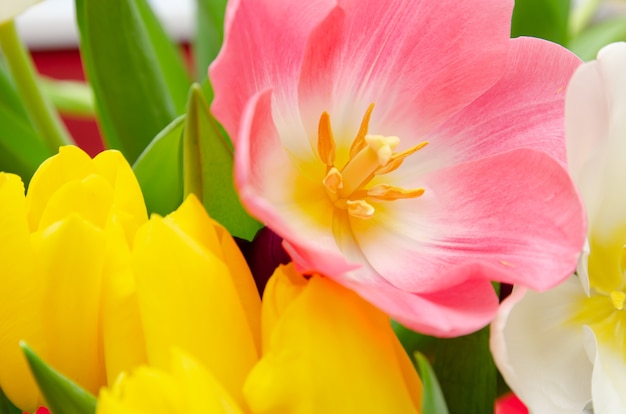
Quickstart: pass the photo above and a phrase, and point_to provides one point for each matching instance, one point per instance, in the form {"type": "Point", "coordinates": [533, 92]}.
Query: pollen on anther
{"type": "Point", "coordinates": [333, 180]}
{"type": "Point", "coordinates": [383, 147]}
{"type": "Point", "coordinates": [360, 209]}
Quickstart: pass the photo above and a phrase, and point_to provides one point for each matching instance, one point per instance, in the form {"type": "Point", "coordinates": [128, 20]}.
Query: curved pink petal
{"type": "Point", "coordinates": [418, 61]}
{"type": "Point", "coordinates": [524, 109]}
{"type": "Point", "coordinates": [267, 181]}
{"type": "Point", "coordinates": [263, 47]}
{"type": "Point", "coordinates": [510, 404]}
{"type": "Point", "coordinates": [501, 212]}
{"type": "Point", "coordinates": [467, 305]}
{"type": "Point", "coordinates": [463, 308]}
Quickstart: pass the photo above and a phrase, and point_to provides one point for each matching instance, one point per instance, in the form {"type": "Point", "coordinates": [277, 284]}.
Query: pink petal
{"type": "Point", "coordinates": [266, 179]}
{"type": "Point", "coordinates": [463, 308]}
{"type": "Point", "coordinates": [263, 47]}
{"type": "Point", "coordinates": [418, 61]}
{"type": "Point", "coordinates": [510, 404]}
{"type": "Point", "coordinates": [468, 305]}
{"type": "Point", "coordinates": [516, 214]}
{"type": "Point", "coordinates": [524, 109]}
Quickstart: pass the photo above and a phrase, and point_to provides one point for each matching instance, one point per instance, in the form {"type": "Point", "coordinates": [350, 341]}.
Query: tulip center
{"type": "Point", "coordinates": [370, 155]}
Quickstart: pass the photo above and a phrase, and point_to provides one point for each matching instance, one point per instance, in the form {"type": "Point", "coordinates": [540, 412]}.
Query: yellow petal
{"type": "Point", "coordinates": [90, 198]}
{"type": "Point", "coordinates": [70, 255]}
{"type": "Point", "coordinates": [332, 352]}
{"type": "Point", "coordinates": [70, 164]}
{"type": "Point", "coordinates": [127, 200]}
{"type": "Point", "coordinates": [280, 291]}
{"type": "Point", "coordinates": [244, 282]}
{"type": "Point", "coordinates": [191, 217]}
{"type": "Point", "coordinates": [123, 339]}
{"type": "Point", "coordinates": [187, 389]}
{"type": "Point", "coordinates": [20, 296]}
{"type": "Point", "coordinates": [147, 390]}
{"type": "Point", "coordinates": [204, 393]}
{"type": "Point", "coordinates": [188, 300]}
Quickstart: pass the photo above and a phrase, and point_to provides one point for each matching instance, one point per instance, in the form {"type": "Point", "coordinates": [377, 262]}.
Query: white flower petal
{"type": "Point", "coordinates": [595, 112]}
{"type": "Point", "coordinates": [609, 375]}
{"type": "Point", "coordinates": [540, 352]}
{"type": "Point", "coordinates": [583, 268]}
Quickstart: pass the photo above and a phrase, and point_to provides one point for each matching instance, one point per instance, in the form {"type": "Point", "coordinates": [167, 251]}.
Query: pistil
{"type": "Point", "coordinates": [370, 155]}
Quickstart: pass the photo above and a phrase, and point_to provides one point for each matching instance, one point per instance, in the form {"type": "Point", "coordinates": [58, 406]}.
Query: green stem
{"type": "Point", "coordinates": [41, 112]}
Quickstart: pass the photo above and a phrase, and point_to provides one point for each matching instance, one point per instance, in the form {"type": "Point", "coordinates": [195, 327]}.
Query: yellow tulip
{"type": "Point", "coordinates": [192, 284]}
{"type": "Point", "coordinates": [61, 244]}
{"type": "Point", "coordinates": [328, 351]}
{"type": "Point", "coordinates": [324, 348]}
{"type": "Point", "coordinates": [187, 387]}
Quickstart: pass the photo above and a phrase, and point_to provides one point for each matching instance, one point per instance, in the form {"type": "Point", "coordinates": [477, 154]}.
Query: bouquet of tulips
{"type": "Point", "coordinates": [348, 206]}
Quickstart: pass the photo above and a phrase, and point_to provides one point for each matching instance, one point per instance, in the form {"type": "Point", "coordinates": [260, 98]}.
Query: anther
{"type": "Point", "coordinates": [360, 209]}
{"type": "Point", "coordinates": [333, 180]}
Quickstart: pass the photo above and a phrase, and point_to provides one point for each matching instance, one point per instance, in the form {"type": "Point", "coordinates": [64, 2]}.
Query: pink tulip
{"type": "Point", "coordinates": [406, 148]}
{"type": "Point", "coordinates": [510, 404]}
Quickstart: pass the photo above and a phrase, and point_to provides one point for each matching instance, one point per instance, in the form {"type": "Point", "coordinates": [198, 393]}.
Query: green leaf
{"type": "Point", "coordinates": [587, 44]}
{"type": "Point", "coordinates": [208, 165]}
{"type": "Point", "coordinates": [169, 56]}
{"type": "Point", "coordinates": [159, 170]}
{"type": "Point", "coordinates": [464, 367]}
{"type": "Point", "coordinates": [547, 19]}
{"type": "Point", "coordinates": [61, 394]}
{"type": "Point", "coordinates": [134, 72]}
{"type": "Point", "coordinates": [433, 401]}
{"type": "Point", "coordinates": [6, 406]}
{"type": "Point", "coordinates": [41, 114]}
{"type": "Point", "coordinates": [209, 33]}
{"type": "Point", "coordinates": [22, 149]}
{"type": "Point", "coordinates": [412, 341]}
{"type": "Point", "coordinates": [466, 372]}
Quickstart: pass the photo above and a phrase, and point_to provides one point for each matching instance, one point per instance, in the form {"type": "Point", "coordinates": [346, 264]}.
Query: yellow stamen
{"type": "Point", "coordinates": [360, 169]}
{"type": "Point", "coordinates": [385, 192]}
{"type": "Point", "coordinates": [618, 298]}
{"type": "Point", "coordinates": [396, 161]}
{"type": "Point", "coordinates": [360, 209]}
{"type": "Point", "coordinates": [382, 146]}
{"type": "Point", "coordinates": [370, 155]}
{"type": "Point", "coordinates": [333, 180]}
{"type": "Point", "coordinates": [326, 141]}
{"type": "Point", "coordinates": [359, 141]}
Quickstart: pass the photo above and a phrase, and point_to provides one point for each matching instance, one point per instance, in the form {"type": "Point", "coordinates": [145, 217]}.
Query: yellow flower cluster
{"type": "Point", "coordinates": [162, 314]}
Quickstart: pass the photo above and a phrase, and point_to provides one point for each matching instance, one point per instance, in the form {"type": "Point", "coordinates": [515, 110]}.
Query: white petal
{"type": "Point", "coordinates": [609, 376]}
{"type": "Point", "coordinates": [595, 112]}
{"type": "Point", "coordinates": [540, 352]}
{"type": "Point", "coordinates": [583, 268]}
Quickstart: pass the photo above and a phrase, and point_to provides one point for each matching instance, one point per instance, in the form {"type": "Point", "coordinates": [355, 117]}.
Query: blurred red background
{"type": "Point", "coordinates": [66, 65]}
